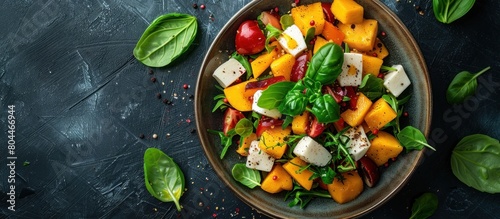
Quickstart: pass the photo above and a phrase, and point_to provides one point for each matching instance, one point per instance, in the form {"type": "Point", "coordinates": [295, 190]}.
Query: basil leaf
{"type": "Point", "coordinates": [424, 206]}
{"type": "Point", "coordinates": [447, 11]}
{"type": "Point", "coordinates": [272, 96]}
{"type": "Point", "coordinates": [246, 176]}
{"type": "Point", "coordinates": [475, 161]}
{"type": "Point", "coordinates": [463, 85]}
{"type": "Point", "coordinates": [286, 21]}
{"type": "Point", "coordinates": [412, 139]}
{"type": "Point", "coordinates": [165, 39]}
{"type": "Point", "coordinates": [295, 101]}
{"type": "Point", "coordinates": [372, 87]}
{"type": "Point", "coordinates": [244, 127]}
{"type": "Point", "coordinates": [310, 36]}
{"type": "Point", "coordinates": [326, 64]}
{"type": "Point", "coordinates": [243, 61]}
{"type": "Point", "coordinates": [326, 109]}
{"type": "Point", "coordinates": [163, 178]}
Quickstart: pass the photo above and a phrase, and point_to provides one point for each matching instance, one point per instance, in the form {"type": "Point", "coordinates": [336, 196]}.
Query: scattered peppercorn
{"type": "Point", "coordinates": [405, 114]}
{"type": "Point", "coordinates": [153, 79]}
{"type": "Point", "coordinates": [185, 86]}
{"type": "Point", "coordinates": [297, 2]}
{"type": "Point", "coordinates": [375, 131]}
{"type": "Point", "coordinates": [155, 136]}
{"type": "Point", "coordinates": [193, 131]}
{"type": "Point", "coordinates": [195, 6]}
{"type": "Point", "coordinates": [312, 23]}
{"type": "Point", "coordinates": [202, 6]}
{"type": "Point", "coordinates": [275, 177]}
{"type": "Point", "coordinates": [353, 26]}
{"type": "Point", "coordinates": [383, 33]}
{"type": "Point", "coordinates": [158, 95]}
{"type": "Point", "coordinates": [141, 136]}
{"type": "Point", "coordinates": [151, 71]}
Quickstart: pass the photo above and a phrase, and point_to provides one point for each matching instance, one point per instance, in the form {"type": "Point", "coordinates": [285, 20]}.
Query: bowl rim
{"type": "Point", "coordinates": [203, 135]}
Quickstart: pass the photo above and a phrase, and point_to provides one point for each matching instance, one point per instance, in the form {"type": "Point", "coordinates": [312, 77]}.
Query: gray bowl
{"type": "Point", "coordinates": [403, 50]}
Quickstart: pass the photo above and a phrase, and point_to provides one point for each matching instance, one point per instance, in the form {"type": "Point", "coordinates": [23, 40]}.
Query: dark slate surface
{"type": "Point", "coordinates": [82, 100]}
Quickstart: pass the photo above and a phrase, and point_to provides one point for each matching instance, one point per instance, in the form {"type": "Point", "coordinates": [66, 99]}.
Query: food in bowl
{"type": "Point", "coordinates": [247, 119]}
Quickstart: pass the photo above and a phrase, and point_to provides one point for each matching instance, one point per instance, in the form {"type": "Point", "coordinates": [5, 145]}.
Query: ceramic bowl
{"type": "Point", "coordinates": [403, 50]}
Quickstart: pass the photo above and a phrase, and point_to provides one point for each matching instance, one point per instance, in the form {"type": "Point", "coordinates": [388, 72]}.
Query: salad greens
{"type": "Point", "coordinates": [372, 87]}
{"type": "Point", "coordinates": [447, 11]}
{"type": "Point", "coordinates": [163, 178]}
{"type": "Point", "coordinates": [463, 85]}
{"type": "Point", "coordinates": [424, 206]}
{"type": "Point", "coordinates": [165, 39]}
{"type": "Point", "coordinates": [475, 161]}
{"type": "Point", "coordinates": [412, 139]}
{"type": "Point", "coordinates": [246, 176]}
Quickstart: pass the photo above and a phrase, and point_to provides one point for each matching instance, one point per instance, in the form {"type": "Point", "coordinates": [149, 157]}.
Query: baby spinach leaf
{"type": "Point", "coordinates": [286, 21]}
{"type": "Point", "coordinates": [475, 161]}
{"type": "Point", "coordinates": [463, 85]}
{"type": "Point", "coordinates": [372, 87]}
{"type": "Point", "coordinates": [424, 206]}
{"type": "Point", "coordinates": [272, 96]}
{"type": "Point", "coordinates": [326, 64]}
{"type": "Point", "coordinates": [326, 109]}
{"type": "Point", "coordinates": [244, 127]}
{"type": "Point", "coordinates": [246, 176]}
{"type": "Point", "coordinates": [165, 39]}
{"type": "Point", "coordinates": [163, 178]}
{"type": "Point", "coordinates": [447, 11]}
{"type": "Point", "coordinates": [412, 139]}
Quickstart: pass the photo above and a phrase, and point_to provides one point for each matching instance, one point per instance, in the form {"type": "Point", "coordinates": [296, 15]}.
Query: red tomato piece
{"type": "Point", "coordinates": [299, 68]}
{"type": "Point", "coordinates": [231, 118]}
{"type": "Point", "coordinates": [316, 128]}
{"type": "Point", "coordinates": [264, 83]}
{"type": "Point", "coordinates": [267, 123]}
{"type": "Point", "coordinates": [351, 93]}
{"type": "Point", "coordinates": [268, 18]}
{"type": "Point", "coordinates": [249, 38]}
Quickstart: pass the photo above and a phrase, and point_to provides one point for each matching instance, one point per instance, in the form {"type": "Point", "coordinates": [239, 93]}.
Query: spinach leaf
{"type": "Point", "coordinates": [424, 206]}
{"type": "Point", "coordinates": [463, 85]}
{"type": "Point", "coordinates": [326, 64]}
{"type": "Point", "coordinates": [286, 21]}
{"type": "Point", "coordinates": [244, 127]}
{"type": "Point", "coordinates": [165, 39]}
{"type": "Point", "coordinates": [272, 96]}
{"type": "Point", "coordinates": [244, 61]}
{"type": "Point", "coordinates": [163, 178]}
{"type": "Point", "coordinates": [326, 109]}
{"type": "Point", "coordinates": [246, 176]}
{"type": "Point", "coordinates": [372, 87]}
{"type": "Point", "coordinates": [412, 139]}
{"type": "Point", "coordinates": [447, 11]}
{"type": "Point", "coordinates": [475, 161]}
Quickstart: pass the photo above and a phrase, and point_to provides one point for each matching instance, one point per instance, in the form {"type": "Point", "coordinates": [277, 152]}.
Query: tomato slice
{"type": "Point", "coordinates": [351, 93]}
{"type": "Point", "coordinates": [231, 118]}
{"type": "Point", "coordinates": [316, 128]}
{"type": "Point", "coordinates": [267, 123]}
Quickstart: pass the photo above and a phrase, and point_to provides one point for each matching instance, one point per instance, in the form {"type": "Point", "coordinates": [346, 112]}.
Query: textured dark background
{"type": "Point", "coordinates": [82, 101]}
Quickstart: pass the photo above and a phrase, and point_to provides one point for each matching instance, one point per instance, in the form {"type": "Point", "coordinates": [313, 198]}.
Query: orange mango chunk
{"type": "Point", "coordinates": [348, 189]}
{"type": "Point", "coordinates": [277, 180]}
{"type": "Point", "coordinates": [302, 177]}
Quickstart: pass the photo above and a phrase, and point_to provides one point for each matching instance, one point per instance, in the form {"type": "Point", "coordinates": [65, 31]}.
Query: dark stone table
{"type": "Point", "coordinates": [86, 110]}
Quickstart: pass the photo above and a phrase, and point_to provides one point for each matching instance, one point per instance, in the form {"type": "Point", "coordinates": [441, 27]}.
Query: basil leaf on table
{"type": "Point", "coordinates": [412, 139]}
{"type": "Point", "coordinates": [326, 64]}
{"type": "Point", "coordinates": [165, 39]}
{"type": "Point", "coordinates": [424, 206]}
{"type": "Point", "coordinates": [246, 176]}
{"type": "Point", "coordinates": [463, 85]}
{"type": "Point", "coordinates": [163, 178]}
{"type": "Point", "coordinates": [475, 161]}
{"type": "Point", "coordinates": [447, 11]}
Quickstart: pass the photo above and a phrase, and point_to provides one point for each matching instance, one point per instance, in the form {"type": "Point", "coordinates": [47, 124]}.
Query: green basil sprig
{"type": "Point", "coordinates": [326, 64]}
{"type": "Point", "coordinates": [463, 85]}
{"type": "Point", "coordinates": [424, 206]}
{"type": "Point", "coordinates": [246, 176]}
{"type": "Point", "coordinates": [163, 178]}
{"type": "Point", "coordinates": [372, 87]}
{"type": "Point", "coordinates": [447, 11]}
{"type": "Point", "coordinates": [165, 39]}
{"type": "Point", "coordinates": [475, 161]}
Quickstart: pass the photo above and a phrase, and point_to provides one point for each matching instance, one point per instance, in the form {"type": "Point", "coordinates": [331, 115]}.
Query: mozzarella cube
{"type": "Point", "coordinates": [396, 81]}
{"type": "Point", "coordinates": [312, 152]}
{"type": "Point", "coordinates": [358, 142]}
{"type": "Point", "coordinates": [229, 72]}
{"type": "Point", "coordinates": [273, 113]}
{"type": "Point", "coordinates": [258, 159]}
{"type": "Point", "coordinates": [292, 41]}
{"type": "Point", "coordinates": [352, 69]}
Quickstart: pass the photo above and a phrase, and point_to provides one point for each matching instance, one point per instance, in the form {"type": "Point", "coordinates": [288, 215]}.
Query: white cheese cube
{"type": "Point", "coordinates": [273, 113]}
{"type": "Point", "coordinates": [258, 159]}
{"type": "Point", "coordinates": [229, 72]}
{"type": "Point", "coordinates": [312, 152]}
{"type": "Point", "coordinates": [396, 81]}
{"type": "Point", "coordinates": [352, 69]}
{"type": "Point", "coordinates": [292, 41]}
{"type": "Point", "coordinates": [358, 142]}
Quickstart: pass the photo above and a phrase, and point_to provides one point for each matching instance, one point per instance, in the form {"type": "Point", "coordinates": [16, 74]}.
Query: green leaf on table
{"type": "Point", "coordinates": [165, 39]}
{"type": "Point", "coordinates": [447, 11]}
{"type": "Point", "coordinates": [163, 178]}
{"type": "Point", "coordinates": [412, 139]}
{"type": "Point", "coordinates": [246, 176]}
{"type": "Point", "coordinates": [424, 206]}
{"type": "Point", "coordinates": [475, 161]}
{"type": "Point", "coordinates": [463, 85]}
